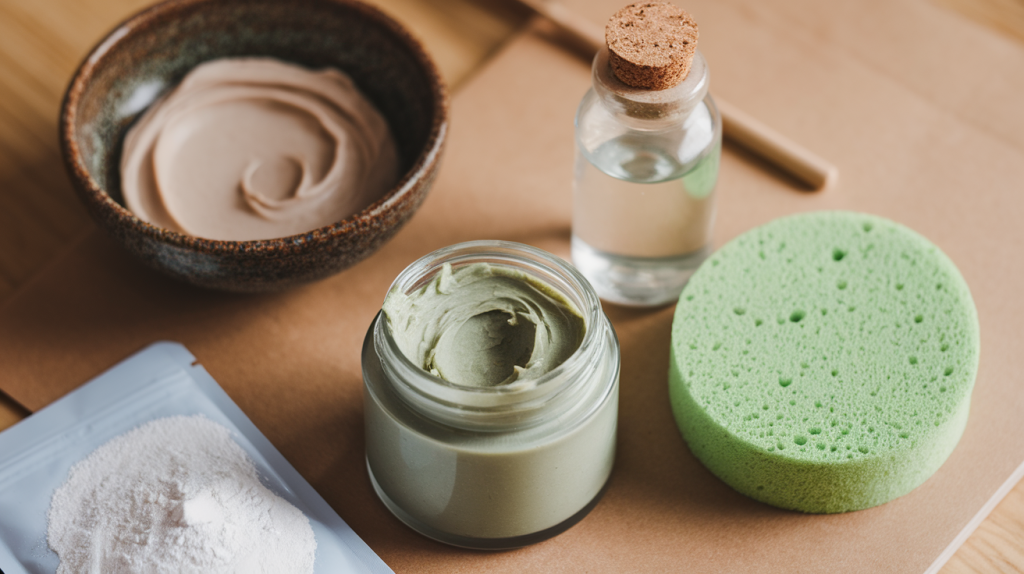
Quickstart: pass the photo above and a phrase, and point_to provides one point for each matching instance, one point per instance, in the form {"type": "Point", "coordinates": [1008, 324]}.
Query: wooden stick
{"type": "Point", "coordinates": [775, 148]}
{"type": "Point", "coordinates": [739, 127]}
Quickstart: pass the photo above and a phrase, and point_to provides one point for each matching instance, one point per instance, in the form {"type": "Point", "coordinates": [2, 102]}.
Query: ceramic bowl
{"type": "Point", "coordinates": [149, 54]}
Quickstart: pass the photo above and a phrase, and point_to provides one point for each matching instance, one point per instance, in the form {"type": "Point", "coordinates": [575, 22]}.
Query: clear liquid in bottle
{"type": "Point", "coordinates": [643, 208]}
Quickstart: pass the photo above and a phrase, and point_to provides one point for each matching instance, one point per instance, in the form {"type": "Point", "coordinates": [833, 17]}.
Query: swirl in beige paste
{"type": "Point", "coordinates": [254, 148]}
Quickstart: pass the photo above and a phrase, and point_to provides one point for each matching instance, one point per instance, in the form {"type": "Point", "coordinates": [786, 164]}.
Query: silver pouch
{"type": "Point", "coordinates": [157, 382]}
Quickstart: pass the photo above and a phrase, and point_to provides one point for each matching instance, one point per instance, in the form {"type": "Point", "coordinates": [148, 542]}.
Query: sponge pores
{"type": "Point", "coordinates": [824, 362]}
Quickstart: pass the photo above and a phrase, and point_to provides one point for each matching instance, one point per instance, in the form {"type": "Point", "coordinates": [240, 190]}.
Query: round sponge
{"type": "Point", "coordinates": [824, 362]}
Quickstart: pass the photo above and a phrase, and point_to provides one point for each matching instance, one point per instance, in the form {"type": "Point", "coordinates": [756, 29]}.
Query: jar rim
{"type": "Point", "coordinates": [516, 400]}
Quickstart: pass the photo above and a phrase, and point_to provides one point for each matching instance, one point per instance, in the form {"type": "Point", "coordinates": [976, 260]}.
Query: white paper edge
{"type": "Point", "coordinates": [973, 524]}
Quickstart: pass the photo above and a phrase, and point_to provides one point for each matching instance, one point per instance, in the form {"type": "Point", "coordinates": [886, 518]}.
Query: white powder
{"type": "Point", "coordinates": [176, 495]}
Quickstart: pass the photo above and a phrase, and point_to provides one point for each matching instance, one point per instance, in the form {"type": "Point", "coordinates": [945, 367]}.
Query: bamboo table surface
{"type": "Point", "coordinates": [42, 41]}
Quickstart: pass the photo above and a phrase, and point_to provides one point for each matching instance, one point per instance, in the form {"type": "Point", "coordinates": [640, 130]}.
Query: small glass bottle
{"type": "Point", "coordinates": [643, 194]}
{"type": "Point", "coordinates": [492, 467]}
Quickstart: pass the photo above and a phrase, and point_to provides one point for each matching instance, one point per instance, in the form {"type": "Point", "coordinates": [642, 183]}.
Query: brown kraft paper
{"type": "Point", "coordinates": [925, 131]}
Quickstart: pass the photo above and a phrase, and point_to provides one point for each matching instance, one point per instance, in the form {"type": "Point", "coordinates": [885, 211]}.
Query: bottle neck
{"type": "Point", "coordinates": [650, 109]}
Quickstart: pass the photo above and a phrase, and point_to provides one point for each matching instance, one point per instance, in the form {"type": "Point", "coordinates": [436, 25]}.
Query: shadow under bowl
{"type": "Point", "coordinates": [152, 51]}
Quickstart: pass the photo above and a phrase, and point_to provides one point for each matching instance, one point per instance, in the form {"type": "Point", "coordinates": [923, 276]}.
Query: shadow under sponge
{"type": "Point", "coordinates": [824, 362]}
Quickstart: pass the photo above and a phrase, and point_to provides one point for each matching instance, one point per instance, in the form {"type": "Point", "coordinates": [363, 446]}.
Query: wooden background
{"type": "Point", "coordinates": [42, 41]}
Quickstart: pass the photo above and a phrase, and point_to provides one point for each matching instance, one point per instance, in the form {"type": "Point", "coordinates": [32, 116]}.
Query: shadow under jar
{"type": "Point", "coordinates": [492, 467]}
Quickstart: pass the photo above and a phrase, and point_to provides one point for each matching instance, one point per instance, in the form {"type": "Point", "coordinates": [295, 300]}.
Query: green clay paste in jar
{"type": "Point", "coordinates": [485, 325]}
{"type": "Point", "coordinates": [491, 396]}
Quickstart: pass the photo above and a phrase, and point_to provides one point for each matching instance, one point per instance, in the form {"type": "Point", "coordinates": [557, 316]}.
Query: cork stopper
{"type": "Point", "coordinates": [651, 44]}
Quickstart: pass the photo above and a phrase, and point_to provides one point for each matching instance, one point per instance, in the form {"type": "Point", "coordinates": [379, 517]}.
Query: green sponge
{"type": "Point", "coordinates": [824, 362]}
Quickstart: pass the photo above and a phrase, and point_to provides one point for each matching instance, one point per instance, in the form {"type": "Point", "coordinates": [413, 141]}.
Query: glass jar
{"type": "Point", "coordinates": [492, 467]}
{"type": "Point", "coordinates": [643, 190]}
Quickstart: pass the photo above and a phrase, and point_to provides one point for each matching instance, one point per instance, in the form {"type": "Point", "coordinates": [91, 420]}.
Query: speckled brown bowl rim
{"type": "Point", "coordinates": [91, 192]}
